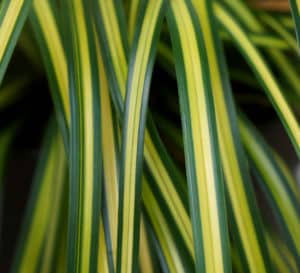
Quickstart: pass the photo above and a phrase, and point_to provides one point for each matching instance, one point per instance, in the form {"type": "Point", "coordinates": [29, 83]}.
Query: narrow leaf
{"type": "Point", "coordinates": [13, 14]}
{"type": "Point", "coordinates": [295, 9]}
{"type": "Point", "coordinates": [263, 73]}
{"type": "Point", "coordinates": [110, 160]}
{"type": "Point", "coordinates": [111, 32]}
{"type": "Point", "coordinates": [146, 263]}
{"type": "Point", "coordinates": [274, 183]}
{"type": "Point", "coordinates": [162, 231]}
{"type": "Point", "coordinates": [85, 141]}
{"type": "Point", "coordinates": [50, 43]}
{"type": "Point", "coordinates": [206, 194]}
{"type": "Point", "coordinates": [49, 180]}
{"type": "Point", "coordinates": [238, 182]}
{"type": "Point", "coordinates": [139, 75]}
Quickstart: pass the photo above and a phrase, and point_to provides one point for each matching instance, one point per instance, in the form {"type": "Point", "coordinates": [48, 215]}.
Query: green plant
{"type": "Point", "coordinates": [107, 196]}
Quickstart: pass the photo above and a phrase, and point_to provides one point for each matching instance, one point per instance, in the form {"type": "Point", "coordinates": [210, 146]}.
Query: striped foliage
{"type": "Point", "coordinates": [12, 18]}
{"type": "Point", "coordinates": [153, 161]}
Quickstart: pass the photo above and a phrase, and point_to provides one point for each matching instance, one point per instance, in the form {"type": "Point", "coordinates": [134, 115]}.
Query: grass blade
{"type": "Point", "coordinates": [110, 163]}
{"type": "Point", "coordinates": [146, 263]}
{"type": "Point", "coordinates": [103, 266]}
{"type": "Point", "coordinates": [238, 182]}
{"type": "Point", "coordinates": [162, 231]}
{"type": "Point", "coordinates": [279, 263]}
{"type": "Point", "coordinates": [48, 37]}
{"type": "Point", "coordinates": [133, 14]}
{"type": "Point", "coordinates": [49, 180]}
{"type": "Point", "coordinates": [13, 14]}
{"type": "Point", "coordinates": [295, 9]}
{"type": "Point", "coordinates": [165, 175]}
{"type": "Point", "coordinates": [85, 140]}
{"type": "Point", "coordinates": [207, 200]}
{"type": "Point", "coordinates": [275, 183]}
{"type": "Point", "coordinates": [263, 73]}
{"type": "Point", "coordinates": [110, 22]}
{"type": "Point", "coordinates": [110, 172]}
{"type": "Point", "coordinates": [48, 262]}
{"type": "Point", "coordinates": [139, 76]}
{"type": "Point", "coordinates": [280, 30]}
{"type": "Point", "coordinates": [247, 17]}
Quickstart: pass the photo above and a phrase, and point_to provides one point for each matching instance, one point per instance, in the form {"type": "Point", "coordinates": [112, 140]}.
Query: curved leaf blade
{"type": "Point", "coordinates": [207, 200]}
{"type": "Point", "coordinates": [263, 73]}
{"type": "Point", "coordinates": [49, 181]}
{"type": "Point", "coordinates": [13, 14]}
{"type": "Point", "coordinates": [139, 76]}
{"type": "Point", "coordinates": [85, 140]}
{"type": "Point", "coordinates": [237, 179]}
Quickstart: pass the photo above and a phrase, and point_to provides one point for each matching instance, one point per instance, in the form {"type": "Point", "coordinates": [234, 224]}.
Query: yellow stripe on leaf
{"type": "Point", "coordinates": [274, 183]}
{"type": "Point", "coordinates": [169, 192]}
{"type": "Point", "coordinates": [8, 24]}
{"type": "Point", "coordinates": [88, 129]}
{"type": "Point", "coordinates": [151, 154]}
{"type": "Point", "coordinates": [230, 161]}
{"type": "Point", "coordinates": [52, 179]}
{"type": "Point", "coordinates": [162, 231]}
{"type": "Point", "coordinates": [273, 90]}
{"type": "Point", "coordinates": [144, 254]}
{"type": "Point", "coordinates": [204, 153]}
{"type": "Point", "coordinates": [109, 157]}
{"type": "Point", "coordinates": [102, 253]}
{"type": "Point", "coordinates": [133, 12]}
{"type": "Point", "coordinates": [132, 134]}
{"type": "Point", "coordinates": [115, 42]}
{"type": "Point", "coordinates": [13, 14]}
{"type": "Point", "coordinates": [298, 6]}
{"type": "Point", "coordinates": [49, 28]}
